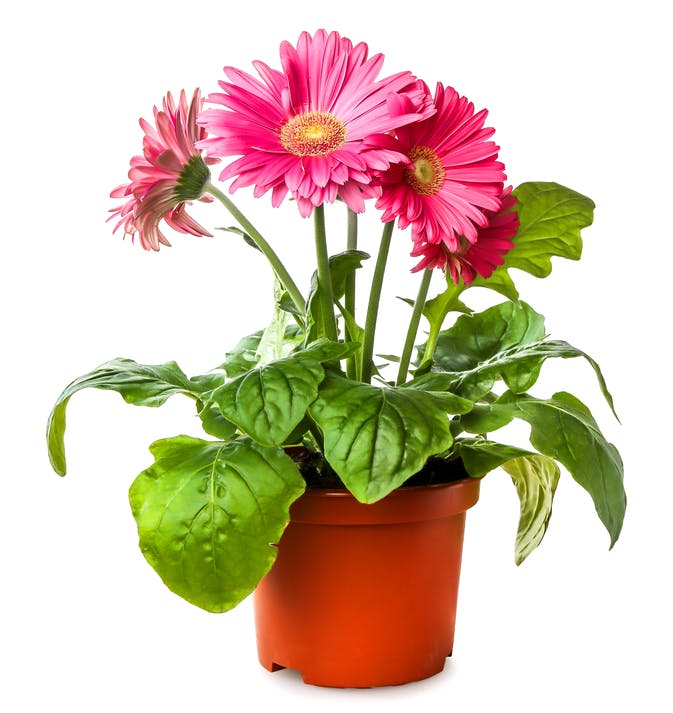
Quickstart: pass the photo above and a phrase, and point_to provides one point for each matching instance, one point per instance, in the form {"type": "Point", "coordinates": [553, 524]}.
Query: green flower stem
{"type": "Point", "coordinates": [413, 327]}
{"type": "Point", "coordinates": [374, 299]}
{"type": "Point", "coordinates": [278, 267]}
{"type": "Point", "coordinates": [324, 275]}
{"type": "Point", "coordinates": [349, 297]}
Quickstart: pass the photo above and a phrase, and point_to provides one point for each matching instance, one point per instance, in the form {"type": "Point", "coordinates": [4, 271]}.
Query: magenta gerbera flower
{"type": "Point", "coordinates": [451, 177]}
{"type": "Point", "coordinates": [170, 173]}
{"type": "Point", "coordinates": [306, 130]}
{"type": "Point", "coordinates": [480, 257]}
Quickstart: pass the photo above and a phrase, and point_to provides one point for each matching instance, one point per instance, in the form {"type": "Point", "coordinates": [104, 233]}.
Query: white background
{"type": "Point", "coordinates": [579, 94]}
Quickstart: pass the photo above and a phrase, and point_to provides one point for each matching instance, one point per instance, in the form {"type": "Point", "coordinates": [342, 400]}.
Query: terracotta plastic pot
{"type": "Point", "coordinates": [365, 595]}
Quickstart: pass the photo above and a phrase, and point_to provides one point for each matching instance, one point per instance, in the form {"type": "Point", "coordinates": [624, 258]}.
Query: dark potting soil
{"type": "Point", "coordinates": [318, 474]}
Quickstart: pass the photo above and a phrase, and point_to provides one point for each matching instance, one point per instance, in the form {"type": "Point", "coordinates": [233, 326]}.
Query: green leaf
{"type": "Point", "coordinates": [341, 267]}
{"type": "Point", "coordinates": [519, 367]}
{"type": "Point", "coordinates": [535, 478]}
{"type": "Point", "coordinates": [500, 282]}
{"type": "Point", "coordinates": [436, 310]}
{"type": "Point", "coordinates": [480, 456]}
{"type": "Point", "coordinates": [355, 333]}
{"type": "Point", "coordinates": [376, 438]}
{"type": "Point", "coordinates": [139, 384]}
{"type": "Point", "coordinates": [477, 337]}
{"type": "Point", "coordinates": [243, 356]}
{"type": "Point", "coordinates": [564, 429]}
{"type": "Point", "coordinates": [483, 419]}
{"type": "Point", "coordinates": [243, 234]}
{"type": "Point", "coordinates": [280, 337]}
{"type": "Point", "coordinates": [213, 422]}
{"type": "Point", "coordinates": [209, 515]}
{"type": "Point", "coordinates": [269, 402]}
{"type": "Point", "coordinates": [246, 354]}
{"type": "Point", "coordinates": [448, 402]}
{"type": "Point", "coordinates": [550, 219]}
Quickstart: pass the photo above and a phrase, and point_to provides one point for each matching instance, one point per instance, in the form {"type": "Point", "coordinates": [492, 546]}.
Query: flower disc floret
{"type": "Point", "coordinates": [426, 174]}
{"type": "Point", "coordinates": [315, 133]}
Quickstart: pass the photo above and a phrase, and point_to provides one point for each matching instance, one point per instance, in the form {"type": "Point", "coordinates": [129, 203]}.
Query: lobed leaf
{"type": "Point", "coordinates": [550, 219]}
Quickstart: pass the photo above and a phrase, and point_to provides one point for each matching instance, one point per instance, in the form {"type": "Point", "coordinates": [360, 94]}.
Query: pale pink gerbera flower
{"type": "Point", "coordinates": [170, 173]}
{"type": "Point", "coordinates": [480, 257]}
{"type": "Point", "coordinates": [305, 130]}
{"type": "Point", "coordinates": [451, 177]}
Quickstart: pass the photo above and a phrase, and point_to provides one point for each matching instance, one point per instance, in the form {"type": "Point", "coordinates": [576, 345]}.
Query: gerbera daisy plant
{"type": "Point", "coordinates": [306, 401]}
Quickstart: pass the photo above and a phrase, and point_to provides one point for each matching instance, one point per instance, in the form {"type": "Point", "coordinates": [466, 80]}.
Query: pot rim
{"type": "Point", "coordinates": [416, 503]}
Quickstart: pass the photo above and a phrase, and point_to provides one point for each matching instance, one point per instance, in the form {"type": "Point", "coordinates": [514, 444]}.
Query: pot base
{"type": "Point", "coordinates": [325, 679]}
{"type": "Point", "coordinates": [365, 595]}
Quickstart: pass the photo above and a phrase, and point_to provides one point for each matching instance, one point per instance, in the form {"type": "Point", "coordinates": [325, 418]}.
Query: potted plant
{"type": "Point", "coordinates": [331, 478]}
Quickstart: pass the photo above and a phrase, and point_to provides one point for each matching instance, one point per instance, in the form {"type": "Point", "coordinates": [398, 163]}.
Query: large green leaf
{"type": "Point", "coordinates": [140, 384]}
{"type": "Point", "coordinates": [564, 429]}
{"type": "Point", "coordinates": [519, 367]}
{"type": "Point", "coordinates": [477, 337]}
{"type": "Point", "coordinates": [209, 515]}
{"type": "Point", "coordinates": [535, 478]}
{"type": "Point", "coordinates": [550, 219]}
{"type": "Point", "coordinates": [270, 401]}
{"type": "Point", "coordinates": [376, 438]}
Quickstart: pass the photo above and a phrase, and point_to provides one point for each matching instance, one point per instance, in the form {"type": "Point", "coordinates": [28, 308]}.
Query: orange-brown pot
{"type": "Point", "coordinates": [365, 595]}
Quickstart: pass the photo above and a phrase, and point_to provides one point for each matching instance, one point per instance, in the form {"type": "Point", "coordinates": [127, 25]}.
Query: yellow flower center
{"type": "Point", "coordinates": [314, 133]}
{"type": "Point", "coordinates": [427, 174]}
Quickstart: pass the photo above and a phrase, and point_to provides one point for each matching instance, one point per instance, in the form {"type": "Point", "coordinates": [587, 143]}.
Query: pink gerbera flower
{"type": "Point", "coordinates": [170, 173]}
{"type": "Point", "coordinates": [305, 130]}
{"type": "Point", "coordinates": [480, 257]}
{"type": "Point", "coordinates": [451, 177]}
